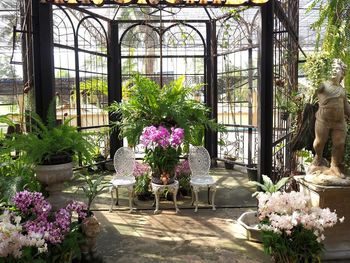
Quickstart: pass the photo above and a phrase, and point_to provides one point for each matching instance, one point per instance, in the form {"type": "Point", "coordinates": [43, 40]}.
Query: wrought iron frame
{"type": "Point", "coordinates": [44, 75]}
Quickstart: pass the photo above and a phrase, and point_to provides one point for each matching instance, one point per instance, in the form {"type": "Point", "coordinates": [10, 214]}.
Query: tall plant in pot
{"type": "Point", "coordinates": [51, 148]}
{"type": "Point", "coordinates": [146, 103]}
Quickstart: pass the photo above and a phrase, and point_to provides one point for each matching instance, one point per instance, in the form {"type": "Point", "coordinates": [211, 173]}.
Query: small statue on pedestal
{"type": "Point", "coordinates": [331, 117]}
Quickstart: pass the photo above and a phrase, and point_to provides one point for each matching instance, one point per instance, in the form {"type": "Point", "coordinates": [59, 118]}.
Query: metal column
{"type": "Point", "coordinates": [265, 117]}
{"type": "Point", "coordinates": [211, 141]}
{"type": "Point", "coordinates": [114, 80]}
{"type": "Point", "coordinates": [43, 57]}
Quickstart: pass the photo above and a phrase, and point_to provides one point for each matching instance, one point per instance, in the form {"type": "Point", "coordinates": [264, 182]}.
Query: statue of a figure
{"type": "Point", "coordinates": [331, 117]}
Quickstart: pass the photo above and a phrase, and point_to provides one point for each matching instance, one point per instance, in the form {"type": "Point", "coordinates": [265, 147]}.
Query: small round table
{"type": "Point", "coordinates": [172, 188]}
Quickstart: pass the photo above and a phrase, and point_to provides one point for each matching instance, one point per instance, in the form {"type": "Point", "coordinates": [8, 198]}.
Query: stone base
{"type": "Point", "coordinates": [327, 180]}
{"type": "Point", "coordinates": [337, 242]}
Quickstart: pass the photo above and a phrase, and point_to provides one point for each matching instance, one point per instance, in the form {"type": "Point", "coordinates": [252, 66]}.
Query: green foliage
{"type": "Point", "coordinates": [142, 185]}
{"type": "Point", "coordinates": [334, 16]}
{"type": "Point", "coordinates": [94, 88]}
{"type": "Point", "coordinates": [300, 246]}
{"type": "Point", "coordinates": [184, 183]}
{"type": "Point", "coordinates": [69, 248]}
{"type": "Point", "coordinates": [162, 159]}
{"type": "Point", "coordinates": [16, 175]}
{"type": "Point", "coordinates": [48, 141]}
{"type": "Point", "coordinates": [171, 106]}
{"type": "Point", "coordinates": [317, 68]}
{"type": "Point", "coordinates": [92, 187]}
{"type": "Point", "coordinates": [268, 186]}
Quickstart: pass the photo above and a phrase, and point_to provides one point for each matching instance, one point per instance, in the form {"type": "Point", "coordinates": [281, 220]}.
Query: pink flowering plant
{"type": "Point", "coordinates": [183, 175]}
{"type": "Point", "coordinates": [162, 149]}
{"type": "Point", "coordinates": [292, 230]}
{"type": "Point", "coordinates": [141, 173]}
{"type": "Point", "coordinates": [30, 232]}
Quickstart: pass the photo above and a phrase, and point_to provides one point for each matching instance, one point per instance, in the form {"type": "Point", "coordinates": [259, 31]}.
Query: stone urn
{"type": "Point", "coordinates": [53, 176]}
{"type": "Point", "coordinates": [91, 230]}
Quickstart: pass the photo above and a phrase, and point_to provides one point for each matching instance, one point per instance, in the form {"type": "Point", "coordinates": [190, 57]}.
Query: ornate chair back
{"type": "Point", "coordinates": [124, 161]}
{"type": "Point", "coordinates": [199, 161]}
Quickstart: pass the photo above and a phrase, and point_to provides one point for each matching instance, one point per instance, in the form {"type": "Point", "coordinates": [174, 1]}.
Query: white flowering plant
{"type": "Point", "coordinates": [292, 230]}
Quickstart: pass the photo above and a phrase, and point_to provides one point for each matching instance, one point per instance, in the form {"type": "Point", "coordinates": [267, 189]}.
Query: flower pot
{"type": "Point", "coordinates": [250, 222]}
{"type": "Point", "coordinates": [91, 230]}
{"type": "Point", "coordinates": [229, 165]}
{"type": "Point", "coordinates": [163, 179]}
{"type": "Point", "coordinates": [252, 173]}
{"type": "Point", "coordinates": [54, 176]}
{"type": "Point", "coordinates": [284, 115]}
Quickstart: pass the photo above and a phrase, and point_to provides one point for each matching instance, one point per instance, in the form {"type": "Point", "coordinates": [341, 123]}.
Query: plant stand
{"type": "Point", "coordinates": [337, 242]}
{"type": "Point", "coordinates": [157, 188]}
{"type": "Point", "coordinates": [53, 176]}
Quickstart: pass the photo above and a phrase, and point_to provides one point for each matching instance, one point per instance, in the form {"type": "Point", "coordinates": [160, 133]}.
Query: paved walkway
{"type": "Point", "coordinates": [206, 236]}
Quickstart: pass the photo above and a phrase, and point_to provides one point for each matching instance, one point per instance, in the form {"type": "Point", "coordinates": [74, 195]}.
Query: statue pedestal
{"type": "Point", "coordinates": [337, 242]}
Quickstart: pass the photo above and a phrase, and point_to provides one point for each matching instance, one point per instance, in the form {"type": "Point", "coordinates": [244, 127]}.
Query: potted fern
{"type": "Point", "coordinates": [146, 103]}
{"type": "Point", "coordinates": [51, 148]}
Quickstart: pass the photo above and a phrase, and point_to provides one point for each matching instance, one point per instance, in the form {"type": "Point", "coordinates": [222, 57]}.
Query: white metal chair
{"type": "Point", "coordinates": [123, 161]}
{"type": "Point", "coordinates": [199, 161]}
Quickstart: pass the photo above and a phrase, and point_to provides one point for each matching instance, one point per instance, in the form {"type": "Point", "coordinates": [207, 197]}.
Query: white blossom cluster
{"type": "Point", "coordinates": [284, 211]}
{"type": "Point", "coordinates": [12, 241]}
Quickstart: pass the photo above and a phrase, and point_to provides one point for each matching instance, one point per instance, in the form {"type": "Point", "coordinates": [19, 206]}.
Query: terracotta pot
{"type": "Point", "coordinates": [163, 178]}
{"type": "Point", "coordinates": [91, 230]}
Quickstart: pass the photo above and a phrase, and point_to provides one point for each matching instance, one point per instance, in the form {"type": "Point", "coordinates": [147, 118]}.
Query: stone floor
{"type": "Point", "coordinates": [205, 236]}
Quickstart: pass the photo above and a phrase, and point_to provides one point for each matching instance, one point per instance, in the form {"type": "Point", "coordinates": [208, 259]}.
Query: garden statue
{"type": "Point", "coordinates": [331, 116]}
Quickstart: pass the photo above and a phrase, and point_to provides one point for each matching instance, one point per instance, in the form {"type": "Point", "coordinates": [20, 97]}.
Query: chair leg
{"type": "Point", "coordinates": [112, 201]}
{"type": "Point", "coordinates": [130, 198]}
{"type": "Point", "coordinates": [195, 189]}
{"type": "Point", "coordinates": [213, 190]}
{"type": "Point", "coordinates": [192, 196]}
{"type": "Point", "coordinates": [116, 192]}
{"type": "Point", "coordinates": [156, 196]}
{"type": "Point", "coordinates": [208, 195]}
{"type": "Point", "coordinates": [175, 201]}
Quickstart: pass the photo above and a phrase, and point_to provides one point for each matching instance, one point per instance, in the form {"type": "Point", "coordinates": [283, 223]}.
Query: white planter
{"type": "Point", "coordinates": [53, 176]}
{"type": "Point", "coordinates": [249, 221]}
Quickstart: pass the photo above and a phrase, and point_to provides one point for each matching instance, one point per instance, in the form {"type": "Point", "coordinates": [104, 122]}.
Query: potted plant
{"type": "Point", "coordinates": [284, 104]}
{"type": "Point", "coordinates": [51, 148]}
{"type": "Point", "coordinates": [146, 103]}
{"type": "Point", "coordinates": [92, 186]}
{"type": "Point", "coordinates": [249, 220]}
{"type": "Point", "coordinates": [162, 152]}
{"type": "Point", "coordinates": [183, 175]}
{"type": "Point", "coordinates": [229, 150]}
{"type": "Point", "coordinates": [229, 161]}
{"type": "Point", "coordinates": [291, 230]}
{"type": "Point", "coordinates": [142, 186]}
{"type": "Point", "coordinates": [252, 171]}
